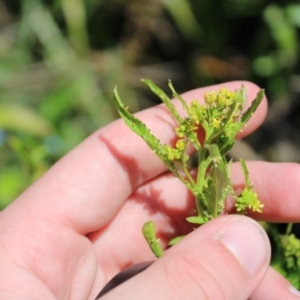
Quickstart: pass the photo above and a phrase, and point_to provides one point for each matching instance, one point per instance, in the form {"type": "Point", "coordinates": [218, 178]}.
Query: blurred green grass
{"type": "Point", "coordinates": [60, 59]}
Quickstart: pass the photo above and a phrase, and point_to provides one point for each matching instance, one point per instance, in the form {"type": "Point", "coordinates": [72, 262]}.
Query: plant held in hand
{"type": "Point", "coordinates": [222, 117]}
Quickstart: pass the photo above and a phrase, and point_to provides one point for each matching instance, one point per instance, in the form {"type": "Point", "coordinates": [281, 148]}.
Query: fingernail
{"type": "Point", "coordinates": [294, 291]}
{"type": "Point", "coordinates": [248, 242]}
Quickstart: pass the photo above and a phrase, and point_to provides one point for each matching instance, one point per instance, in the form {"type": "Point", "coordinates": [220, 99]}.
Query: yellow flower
{"type": "Point", "coordinates": [248, 200]}
{"type": "Point", "coordinates": [210, 97]}
{"type": "Point", "coordinates": [216, 123]}
{"type": "Point", "coordinates": [180, 144]}
{"type": "Point", "coordinates": [173, 154]}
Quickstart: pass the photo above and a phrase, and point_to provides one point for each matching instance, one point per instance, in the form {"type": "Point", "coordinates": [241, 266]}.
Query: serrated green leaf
{"type": "Point", "coordinates": [241, 96]}
{"type": "Point", "coordinates": [219, 184]}
{"type": "Point", "coordinates": [251, 110]}
{"type": "Point", "coordinates": [244, 119]}
{"type": "Point", "coordinates": [149, 233]}
{"type": "Point", "coordinates": [177, 96]}
{"type": "Point", "coordinates": [141, 130]}
{"type": "Point", "coordinates": [166, 100]}
{"type": "Point", "coordinates": [135, 124]}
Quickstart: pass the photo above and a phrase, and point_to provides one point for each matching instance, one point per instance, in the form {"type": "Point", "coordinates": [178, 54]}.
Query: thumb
{"type": "Point", "coordinates": [224, 259]}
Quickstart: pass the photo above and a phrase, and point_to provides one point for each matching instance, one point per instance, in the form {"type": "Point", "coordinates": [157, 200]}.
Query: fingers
{"type": "Point", "coordinates": [167, 202]}
{"type": "Point", "coordinates": [224, 259]}
{"type": "Point", "coordinates": [87, 187]}
{"type": "Point", "coordinates": [275, 286]}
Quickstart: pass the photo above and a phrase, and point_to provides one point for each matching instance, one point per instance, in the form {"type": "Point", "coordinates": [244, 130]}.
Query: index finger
{"type": "Point", "coordinates": [86, 188]}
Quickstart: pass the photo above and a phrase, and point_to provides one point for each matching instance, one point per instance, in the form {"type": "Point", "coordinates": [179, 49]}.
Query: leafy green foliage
{"type": "Point", "coordinates": [286, 257]}
{"type": "Point", "coordinates": [222, 116]}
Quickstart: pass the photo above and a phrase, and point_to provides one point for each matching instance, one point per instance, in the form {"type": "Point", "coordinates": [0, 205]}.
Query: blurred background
{"type": "Point", "coordinates": [60, 60]}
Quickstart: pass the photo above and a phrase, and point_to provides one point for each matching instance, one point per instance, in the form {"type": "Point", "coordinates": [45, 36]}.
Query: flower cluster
{"type": "Point", "coordinates": [216, 109]}
{"type": "Point", "coordinates": [187, 129]}
{"type": "Point", "coordinates": [177, 152]}
{"type": "Point", "coordinates": [248, 200]}
{"type": "Point", "coordinates": [291, 246]}
{"type": "Point", "coordinates": [218, 116]}
{"type": "Point", "coordinates": [223, 113]}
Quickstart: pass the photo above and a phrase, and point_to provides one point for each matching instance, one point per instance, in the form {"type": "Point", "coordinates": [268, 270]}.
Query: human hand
{"type": "Point", "coordinates": [80, 224]}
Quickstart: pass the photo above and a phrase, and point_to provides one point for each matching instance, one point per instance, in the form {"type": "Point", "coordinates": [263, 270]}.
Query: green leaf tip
{"type": "Point", "coordinates": [149, 233]}
{"type": "Point", "coordinates": [164, 98]}
{"type": "Point", "coordinates": [196, 220]}
{"type": "Point", "coordinates": [176, 240]}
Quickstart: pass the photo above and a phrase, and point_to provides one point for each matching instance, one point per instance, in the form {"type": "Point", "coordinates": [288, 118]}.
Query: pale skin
{"type": "Point", "coordinates": [80, 224]}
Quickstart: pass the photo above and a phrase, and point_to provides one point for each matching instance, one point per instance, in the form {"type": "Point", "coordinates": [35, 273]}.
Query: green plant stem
{"type": "Point", "coordinates": [205, 161]}
{"type": "Point", "coordinates": [199, 206]}
{"type": "Point", "coordinates": [188, 175]}
{"type": "Point", "coordinates": [289, 228]}
{"type": "Point", "coordinates": [183, 180]}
